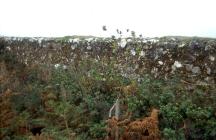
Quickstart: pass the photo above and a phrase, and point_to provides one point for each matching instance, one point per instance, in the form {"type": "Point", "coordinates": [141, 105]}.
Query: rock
{"type": "Point", "coordinates": [73, 47]}
{"type": "Point", "coordinates": [156, 57]}
{"type": "Point", "coordinates": [89, 48]}
{"type": "Point", "coordinates": [189, 67]}
{"type": "Point", "coordinates": [164, 52]}
{"type": "Point", "coordinates": [208, 71]}
{"type": "Point", "coordinates": [64, 67]}
{"type": "Point", "coordinates": [154, 70]}
{"type": "Point", "coordinates": [145, 47]}
{"type": "Point", "coordinates": [57, 66]}
{"type": "Point", "coordinates": [208, 47]}
{"type": "Point", "coordinates": [208, 79]}
{"type": "Point", "coordinates": [89, 39]}
{"type": "Point", "coordinates": [160, 62]}
{"type": "Point", "coordinates": [136, 66]}
{"type": "Point", "coordinates": [166, 55]}
{"type": "Point", "coordinates": [181, 45]}
{"type": "Point", "coordinates": [76, 40]}
{"type": "Point", "coordinates": [177, 64]}
{"type": "Point", "coordinates": [201, 83]}
{"type": "Point", "coordinates": [196, 70]}
{"type": "Point", "coordinates": [123, 43]}
{"type": "Point", "coordinates": [212, 58]}
{"type": "Point", "coordinates": [153, 40]}
{"type": "Point", "coordinates": [8, 48]}
{"type": "Point", "coordinates": [40, 40]}
{"type": "Point", "coordinates": [173, 68]}
{"type": "Point", "coordinates": [133, 52]}
{"type": "Point", "coordinates": [142, 53]}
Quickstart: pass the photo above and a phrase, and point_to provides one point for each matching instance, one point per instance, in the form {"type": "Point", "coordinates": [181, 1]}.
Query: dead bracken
{"type": "Point", "coordinates": [144, 129]}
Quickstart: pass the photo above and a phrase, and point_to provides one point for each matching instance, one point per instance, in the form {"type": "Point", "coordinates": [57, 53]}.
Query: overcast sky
{"type": "Point", "coordinates": [86, 17]}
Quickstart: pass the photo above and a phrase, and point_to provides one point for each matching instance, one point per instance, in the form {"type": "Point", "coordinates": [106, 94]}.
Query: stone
{"type": "Point", "coordinates": [201, 83]}
{"type": "Point", "coordinates": [133, 52]}
{"type": "Point", "coordinates": [177, 64]}
{"type": "Point", "coordinates": [142, 53]}
{"type": "Point", "coordinates": [160, 62]}
{"type": "Point", "coordinates": [154, 70]}
{"type": "Point", "coordinates": [164, 52]}
{"type": "Point", "coordinates": [208, 71]}
{"type": "Point", "coordinates": [146, 47]}
{"type": "Point", "coordinates": [73, 47]}
{"type": "Point", "coordinates": [76, 40]}
{"type": "Point", "coordinates": [156, 57]}
{"type": "Point", "coordinates": [89, 48]}
{"type": "Point", "coordinates": [57, 65]}
{"type": "Point", "coordinates": [181, 45]}
{"type": "Point", "coordinates": [8, 48]}
{"type": "Point", "coordinates": [208, 79]}
{"type": "Point", "coordinates": [173, 68]}
{"type": "Point", "coordinates": [89, 39]}
{"type": "Point", "coordinates": [196, 70]}
{"type": "Point", "coordinates": [153, 40]}
{"type": "Point", "coordinates": [212, 58]}
{"type": "Point", "coordinates": [208, 47]}
{"type": "Point", "coordinates": [40, 40]}
{"type": "Point", "coordinates": [64, 67]}
{"type": "Point", "coordinates": [123, 43]}
{"type": "Point", "coordinates": [189, 67]}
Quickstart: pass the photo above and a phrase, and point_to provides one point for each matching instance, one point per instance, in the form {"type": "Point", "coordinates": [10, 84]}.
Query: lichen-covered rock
{"type": "Point", "coordinates": [196, 70]}
{"type": "Point", "coordinates": [162, 57]}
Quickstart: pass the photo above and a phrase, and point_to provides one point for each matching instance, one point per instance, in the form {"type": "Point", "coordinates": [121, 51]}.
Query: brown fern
{"type": "Point", "coordinates": [144, 129]}
{"type": "Point", "coordinates": [6, 112]}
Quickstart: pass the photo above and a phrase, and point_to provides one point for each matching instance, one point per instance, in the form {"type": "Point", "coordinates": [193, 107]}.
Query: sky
{"type": "Point", "coordinates": [151, 18]}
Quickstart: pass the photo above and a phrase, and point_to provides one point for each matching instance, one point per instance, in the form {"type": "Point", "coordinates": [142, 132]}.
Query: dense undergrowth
{"type": "Point", "coordinates": [73, 102]}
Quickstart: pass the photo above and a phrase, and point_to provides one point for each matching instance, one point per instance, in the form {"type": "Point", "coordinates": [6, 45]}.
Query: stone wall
{"type": "Point", "coordinates": [192, 59]}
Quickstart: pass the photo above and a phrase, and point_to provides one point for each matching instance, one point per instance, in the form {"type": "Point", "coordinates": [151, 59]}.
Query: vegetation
{"type": "Point", "coordinates": [73, 102]}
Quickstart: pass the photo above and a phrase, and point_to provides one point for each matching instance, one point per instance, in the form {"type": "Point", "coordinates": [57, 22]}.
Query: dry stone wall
{"type": "Point", "coordinates": [192, 59]}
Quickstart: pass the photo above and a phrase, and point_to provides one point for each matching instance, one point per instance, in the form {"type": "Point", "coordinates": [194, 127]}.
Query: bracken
{"type": "Point", "coordinates": [145, 129]}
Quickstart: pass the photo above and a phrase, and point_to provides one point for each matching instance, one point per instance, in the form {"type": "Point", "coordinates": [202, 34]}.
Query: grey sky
{"type": "Point", "coordinates": [86, 17]}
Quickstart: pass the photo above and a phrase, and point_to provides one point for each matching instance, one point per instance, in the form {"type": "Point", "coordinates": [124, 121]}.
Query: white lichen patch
{"type": "Point", "coordinates": [142, 53]}
{"type": "Point", "coordinates": [177, 64]}
{"type": "Point", "coordinates": [133, 52]}
{"type": "Point", "coordinates": [8, 48]}
{"type": "Point", "coordinates": [57, 66]}
{"type": "Point", "coordinates": [181, 45]}
{"type": "Point", "coordinates": [76, 40]}
{"type": "Point", "coordinates": [123, 43]}
{"type": "Point", "coordinates": [153, 40]}
{"type": "Point", "coordinates": [89, 48]}
{"type": "Point", "coordinates": [89, 39]}
{"type": "Point", "coordinates": [40, 40]}
{"type": "Point", "coordinates": [64, 67]}
{"type": "Point", "coordinates": [208, 71]}
{"type": "Point", "coordinates": [212, 58]}
{"type": "Point", "coordinates": [160, 62]}
{"type": "Point", "coordinates": [73, 47]}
